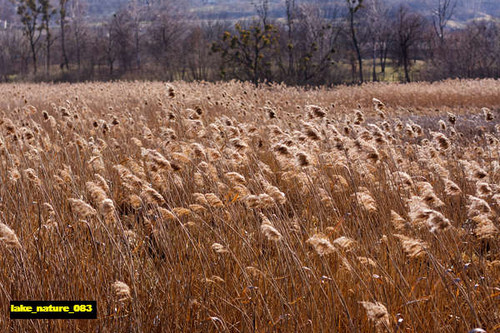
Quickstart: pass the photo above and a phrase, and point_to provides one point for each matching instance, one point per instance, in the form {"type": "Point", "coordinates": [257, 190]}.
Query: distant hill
{"type": "Point", "coordinates": [237, 9]}
{"type": "Point", "coordinates": [465, 9]}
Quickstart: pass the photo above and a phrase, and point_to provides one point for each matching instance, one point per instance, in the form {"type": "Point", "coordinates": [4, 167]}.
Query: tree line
{"type": "Point", "coordinates": [328, 42]}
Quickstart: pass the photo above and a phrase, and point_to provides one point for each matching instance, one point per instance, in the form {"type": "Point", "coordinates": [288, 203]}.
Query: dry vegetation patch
{"type": "Point", "coordinates": [225, 207]}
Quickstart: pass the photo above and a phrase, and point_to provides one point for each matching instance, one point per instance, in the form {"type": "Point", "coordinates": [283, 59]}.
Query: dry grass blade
{"type": "Point", "coordinates": [414, 248]}
{"type": "Point", "coordinates": [122, 291]}
{"type": "Point", "coordinates": [9, 237]}
{"type": "Point", "coordinates": [377, 312]}
{"type": "Point", "coordinates": [321, 244]}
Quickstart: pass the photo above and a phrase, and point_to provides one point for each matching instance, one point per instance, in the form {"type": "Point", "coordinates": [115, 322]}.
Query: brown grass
{"type": "Point", "coordinates": [224, 207]}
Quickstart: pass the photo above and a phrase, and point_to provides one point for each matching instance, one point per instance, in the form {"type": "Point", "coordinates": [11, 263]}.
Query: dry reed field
{"type": "Point", "coordinates": [197, 207]}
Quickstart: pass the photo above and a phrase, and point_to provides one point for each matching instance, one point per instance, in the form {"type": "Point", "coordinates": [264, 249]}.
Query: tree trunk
{"type": "Point", "coordinates": [356, 46]}
{"type": "Point", "coordinates": [290, 8]}
{"type": "Point", "coordinates": [353, 68]}
{"type": "Point", "coordinates": [33, 54]}
{"type": "Point", "coordinates": [137, 47]}
{"type": "Point", "coordinates": [405, 65]}
{"type": "Point", "coordinates": [65, 62]}
{"type": "Point", "coordinates": [78, 54]}
{"type": "Point", "coordinates": [383, 57]}
{"type": "Point", "coordinates": [256, 63]}
{"type": "Point", "coordinates": [374, 69]}
{"type": "Point", "coordinates": [48, 53]}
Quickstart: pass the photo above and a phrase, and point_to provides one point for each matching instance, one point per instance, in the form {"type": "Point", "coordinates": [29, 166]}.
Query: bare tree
{"type": "Point", "coordinates": [110, 48]}
{"type": "Point", "coordinates": [290, 24]}
{"type": "Point", "coordinates": [385, 40]}
{"type": "Point", "coordinates": [78, 29]}
{"type": "Point", "coordinates": [121, 37]}
{"type": "Point", "coordinates": [164, 32]}
{"type": "Point", "coordinates": [29, 12]}
{"type": "Point", "coordinates": [378, 32]}
{"type": "Point", "coordinates": [138, 11]}
{"type": "Point", "coordinates": [442, 13]}
{"type": "Point", "coordinates": [470, 52]}
{"type": "Point", "coordinates": [62, 23]}
{"type": "Point", "coordinates": [409, 27]}
{"type": "Point", "coordinates": [316, 38]}
{"type": "Point", "coordinates": [354, 6]}
{"type": "Point", "coordinates": [13, 53]}
{"type": "Point", "coordinates": [47, 12]}
{"type": "Point", "coordinates": [262, 9]}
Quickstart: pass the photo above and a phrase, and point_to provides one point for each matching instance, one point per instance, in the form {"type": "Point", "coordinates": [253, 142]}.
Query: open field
{"type": "Point", "coordinates": [199, 207]}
